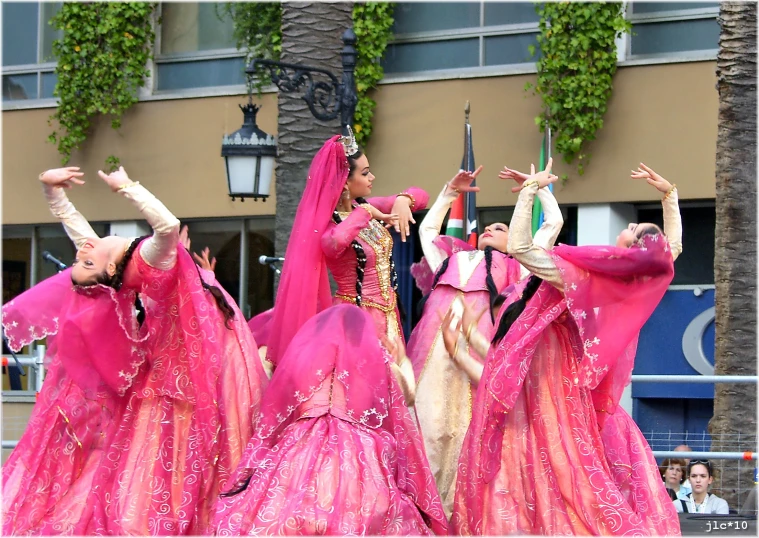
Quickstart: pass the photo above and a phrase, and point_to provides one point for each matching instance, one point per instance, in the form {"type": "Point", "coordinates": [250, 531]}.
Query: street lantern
{"type": "Point", "coordinates": [249, 155]}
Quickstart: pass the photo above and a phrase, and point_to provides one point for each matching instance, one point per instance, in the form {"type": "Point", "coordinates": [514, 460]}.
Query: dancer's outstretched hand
{"type": "Point", "coordinates": [204, 261]}
{"type": "Point", "coordinates": [652, 178]}
{"type": "Point", "coordinates": [516, 175]}
{"type": "Point", "coordinates": [462, 182]}
{"type": "Point", "coordinates": [62, 177]}
{"type": "Point", "coordinates": [402, 208]}
{"type": "Point", "coordinates": [389, 219]}
{"type": "Point", "coordinates": [543, 178]}
{"type": "Point", "coordinates": [116, 180]}
{"type": "Point", "coordinates": [395, 347]}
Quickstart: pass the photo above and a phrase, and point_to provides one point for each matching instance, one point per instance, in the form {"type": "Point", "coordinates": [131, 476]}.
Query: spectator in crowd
{"type": "Point", "coordinates": [700, 501]}
{"type": "Point", "coordinates": [673, 473]}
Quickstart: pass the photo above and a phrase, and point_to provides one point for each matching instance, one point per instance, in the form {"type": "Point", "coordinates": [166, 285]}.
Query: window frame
{"type": "Point", "coordinates": [193, 56]}
{"type": "Point", "coordinates": [38, 69]}
{"type": "Point", "coordinates": [151, 93]}
{"type": "Point", "coordinates": [480, 32]}
{"type": "Point", "coordinates": [678, 15]}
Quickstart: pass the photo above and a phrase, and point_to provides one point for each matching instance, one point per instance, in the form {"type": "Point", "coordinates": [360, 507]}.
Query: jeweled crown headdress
{"type": "Point", "coordinates": [349, 143]}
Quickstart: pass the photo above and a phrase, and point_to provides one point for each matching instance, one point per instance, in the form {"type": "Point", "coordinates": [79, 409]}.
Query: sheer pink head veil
{"type": "Point", "coordinates": [611, 292]}
{"type": "Point", "coordinates": [304, 286]}
{"type": "Point", "coordinates": [98, 341]}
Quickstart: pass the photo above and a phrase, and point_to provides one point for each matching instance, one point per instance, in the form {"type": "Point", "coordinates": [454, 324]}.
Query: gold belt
{"type": "Point", "coordinates": [365, 302]}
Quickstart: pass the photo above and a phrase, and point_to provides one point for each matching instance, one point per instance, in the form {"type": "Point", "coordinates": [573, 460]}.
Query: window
{"type": "Point", "coordinates": [667, 28]}
{"type": "Point", "coordinates": [223, 236]}
{"type": "Point", "coordinates": [237, 258]}
{"type": "Point", "coordinates": [28, 63]}
{"type": "Point", "coordinates": [453, 35]}
{"type": "Point", "coordinates": [196, 48]}
{"type": "Point", "coordinates": [695, 266]}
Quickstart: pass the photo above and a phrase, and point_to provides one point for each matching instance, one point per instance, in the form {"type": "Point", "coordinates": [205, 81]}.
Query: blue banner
{"type": "Point", "coordinates": [678, 339]}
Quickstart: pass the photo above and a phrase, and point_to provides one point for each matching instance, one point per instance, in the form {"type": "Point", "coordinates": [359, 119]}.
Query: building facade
{"type": "Point", "coordinates": [663, 112]}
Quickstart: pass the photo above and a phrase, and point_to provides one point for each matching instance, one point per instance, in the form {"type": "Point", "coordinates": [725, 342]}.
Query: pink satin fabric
{"type": "Point", "coordinates": [336, 451]}
{"type": "Point", "coordinates": [505, 272]}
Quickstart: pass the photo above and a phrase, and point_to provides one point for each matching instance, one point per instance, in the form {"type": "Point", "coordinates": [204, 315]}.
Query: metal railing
{"type": "Point", "coordinates": [663, 378]}
{"type": "Point", "coordinates": [36, 364]}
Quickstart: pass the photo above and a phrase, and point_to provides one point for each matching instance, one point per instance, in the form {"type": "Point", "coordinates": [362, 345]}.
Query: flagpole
{"type": "Point", "coordinates": [467, 142]}
{"type": "Point", "coordinates": [466, 136]}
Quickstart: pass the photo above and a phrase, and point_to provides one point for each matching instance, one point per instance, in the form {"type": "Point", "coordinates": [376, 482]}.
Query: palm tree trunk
{"type": "Point", "coordinates": [311, 35]}
{"type": "Point", "coordinates": [735, 246]}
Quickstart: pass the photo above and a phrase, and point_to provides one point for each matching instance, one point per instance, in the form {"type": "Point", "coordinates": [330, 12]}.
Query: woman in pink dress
{"type": "Point", "coordinates": [444, 392]}
{"type": "Point", "coordinates": [336, 228]}
{"type": "Point", "coordinates": [534, 460]}
{"type": "Point", "coordinates": [139, 424]}
{"type": "Point", "coordinates": [335, 451]}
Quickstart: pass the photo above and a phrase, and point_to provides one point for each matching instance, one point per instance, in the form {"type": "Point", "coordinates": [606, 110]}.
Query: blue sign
{"type": "Point", "coordinates": [678, 339]}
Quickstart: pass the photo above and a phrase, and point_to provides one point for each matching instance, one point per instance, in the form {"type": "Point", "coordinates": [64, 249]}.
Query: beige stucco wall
{"type": "Point", "coordinates": [664, 115]}
{"type": "Point", "coordinates": [173, 147]}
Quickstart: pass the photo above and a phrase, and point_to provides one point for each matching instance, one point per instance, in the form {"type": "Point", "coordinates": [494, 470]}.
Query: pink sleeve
{"type": "Point", "coordinates": [338, 237]}
{"type": "Point", "coordinates": [385, 203]}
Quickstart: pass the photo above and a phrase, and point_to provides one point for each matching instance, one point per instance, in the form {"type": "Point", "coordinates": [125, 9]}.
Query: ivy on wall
{"type": "Point", "coordinates": [106, 49]}
{"type": "Point", "coordinates": [258, 31]}
{"type": "Point", "coordinates": [372, 23]}
{"type": "Point", "coordinates": [575, 70]}
{"type": "Point", "coordinates": [103, 59]}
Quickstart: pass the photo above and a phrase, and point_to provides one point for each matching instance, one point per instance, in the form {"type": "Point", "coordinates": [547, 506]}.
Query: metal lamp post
{"type": "Point", "coordinates": [249, 152]}
{"type": "Point", "coordinates": [325, 100]}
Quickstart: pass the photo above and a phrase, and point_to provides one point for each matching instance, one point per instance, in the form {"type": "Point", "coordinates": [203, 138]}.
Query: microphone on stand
{"type": "Point", "coordinates": [267, 260]}
{"type": "Point", "coordinates": [55, 261]}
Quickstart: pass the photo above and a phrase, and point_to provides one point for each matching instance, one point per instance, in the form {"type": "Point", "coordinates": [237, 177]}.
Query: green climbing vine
{"type": "Point", "coordinates": [575, 70]}
{"type": "Point", "coordinates": [102, 62]}
{"type": "Point", "coordinates": [258, 31]}
{"type": "Point", "coordinates": [372, 23]}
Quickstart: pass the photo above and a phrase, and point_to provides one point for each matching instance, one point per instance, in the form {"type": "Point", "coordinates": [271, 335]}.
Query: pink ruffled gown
{"type": "Point", "coordinates": [336, 451]}
{"type": "Point", "coordinates": [444, 393]}
{"type": "Point", "coordinates": [136, 427]}
{"type": "Point", "coordinates": [539, 457]}
{"type": "Point", "coordinates": [49, 475]}
{"type": "Point", "coordinates": [192, 409]}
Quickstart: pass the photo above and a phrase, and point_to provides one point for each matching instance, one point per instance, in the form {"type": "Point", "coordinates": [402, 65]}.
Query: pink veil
{"type": "Point", "coordinates": [421, 270]}
{"type": "Point", "coordinates": [98, 340]}
{"type": "Point", "coordinates": [304, 286]}
{"type": "Point", "coordinates": [611, 292]}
